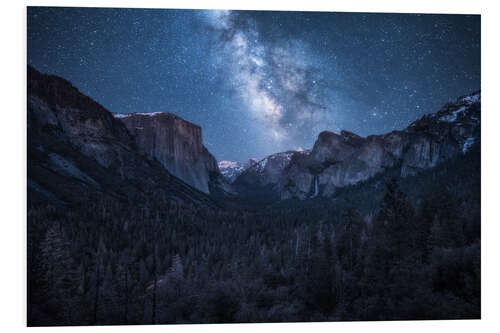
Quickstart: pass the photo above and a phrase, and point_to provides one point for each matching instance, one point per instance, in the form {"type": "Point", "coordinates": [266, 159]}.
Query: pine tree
{"type": "Point", "coordinates": [447, 224]}
{"type": "Point", "coordinates": [387, 252]}
{"type": "Point", "coordinates": [60, 271]}
{"type": "Point", "coordinates": [394, 223]}
{"type": "Point", "coordinates": [176, 271]}
{"type": "Point", "coordinates": [348, 238]}
{"type": "Point", "coordinates": [98, 276]}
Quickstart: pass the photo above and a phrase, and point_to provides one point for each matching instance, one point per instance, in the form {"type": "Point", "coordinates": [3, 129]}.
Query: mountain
{"type": "Point", "coordinates": [231, 170]}
{"type": "Point", "coordinates": [262, 179]}
{"type": "Point", "coordinates": [176, 144]}
{"type": "Point", "coordinates": [338, 160]}
{"type": "Point", "coordinates": [77, 149]}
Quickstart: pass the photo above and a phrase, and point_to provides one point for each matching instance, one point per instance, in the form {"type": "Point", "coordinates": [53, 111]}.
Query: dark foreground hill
{"type": "Point", "coordinates": [78, 150]}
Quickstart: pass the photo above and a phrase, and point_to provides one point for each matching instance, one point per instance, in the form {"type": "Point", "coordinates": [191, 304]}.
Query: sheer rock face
{"type": "Point", "coordinates": [335, 161]}
{"type": "Point", "coordinates": [176, 144]}
{"type": "Point", "coordinates": [338, 160]}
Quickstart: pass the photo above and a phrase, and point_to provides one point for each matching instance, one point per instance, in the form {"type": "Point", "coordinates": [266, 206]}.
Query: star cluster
{"type": "Point", "coordinates": [260, 82]}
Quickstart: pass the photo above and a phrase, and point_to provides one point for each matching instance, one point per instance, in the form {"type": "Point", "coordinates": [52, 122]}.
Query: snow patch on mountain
{"type": "Point", "coordinates": [121, 115]}
{"type": "Point", "coordinates": [125, 115]}
{"type": "Point", "coordinates": [467, 144]}
{"type": "Point", "coordinates": [229, 164]}
{"type": "Point", "coordinates": [472, 98]}
{"type": "Point", "coordinates": [453, 116]}
{"type": "Point", "coordinates": [280, 160]}
{"type": "Point", "coordinates": [231, 170]}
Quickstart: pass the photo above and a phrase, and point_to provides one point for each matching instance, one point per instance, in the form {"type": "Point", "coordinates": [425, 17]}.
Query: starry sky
{"type": "Point", "coordinates": [261, 82]}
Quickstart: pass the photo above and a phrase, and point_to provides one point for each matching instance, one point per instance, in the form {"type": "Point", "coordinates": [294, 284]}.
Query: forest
{"type": "Point", "coordinates": [412, 253]}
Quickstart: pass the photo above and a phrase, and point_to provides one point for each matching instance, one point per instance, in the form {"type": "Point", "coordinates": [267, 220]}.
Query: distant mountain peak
{"type": "Point", "coordinates": [231, 170]}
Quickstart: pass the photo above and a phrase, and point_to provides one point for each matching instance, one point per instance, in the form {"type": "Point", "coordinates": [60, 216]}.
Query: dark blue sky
{"type": "Point", "coordinates": [261, 82]}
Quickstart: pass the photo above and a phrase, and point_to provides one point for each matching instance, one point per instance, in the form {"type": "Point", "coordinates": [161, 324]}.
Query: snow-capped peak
{"type": "Point", "coordinates": [453, 116]}
{"type": "Point", "coordinates": [231, 170]}
{"type": "Point", "coordinates": [229, 164]}
{"type": "Point", "coordinates": [460, 108]}
{"type": "Point", "coordinates": [467, 144]}
{"type": "Point", "coordinates": [280, 160]}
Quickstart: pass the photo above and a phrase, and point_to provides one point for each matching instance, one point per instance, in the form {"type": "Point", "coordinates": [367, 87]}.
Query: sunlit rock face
{"type": "Point", "coordinates": [338, 160]}
{"type": "Point", "coordinates": [176, 144]}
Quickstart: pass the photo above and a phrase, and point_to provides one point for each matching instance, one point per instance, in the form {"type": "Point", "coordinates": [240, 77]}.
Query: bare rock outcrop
{"type": "Point", "coordinates": [338, 160]}
{"type": "Point", "coordinates": [175, 143]}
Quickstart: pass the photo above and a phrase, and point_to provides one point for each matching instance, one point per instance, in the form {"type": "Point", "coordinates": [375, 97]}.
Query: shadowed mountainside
{"type": "Point", "coordinates": [76, 148]}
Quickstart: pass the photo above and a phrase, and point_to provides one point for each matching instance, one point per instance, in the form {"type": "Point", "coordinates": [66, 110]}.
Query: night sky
{"type": "Point", "coordinates": [261, 82]}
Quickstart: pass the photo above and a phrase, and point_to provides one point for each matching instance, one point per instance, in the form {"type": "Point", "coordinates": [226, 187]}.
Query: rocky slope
{"type": "Point", "coordinates": [76, 148]}
{"type": "Point", "coordinates": [231, 170]}
{"type": "Point", "coordinates": [338, 160]}
{"type": "Point", "coordinates": [176, 144]}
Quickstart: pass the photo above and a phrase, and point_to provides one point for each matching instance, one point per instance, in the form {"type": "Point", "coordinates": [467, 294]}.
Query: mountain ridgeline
{"type": "Point", "coordinates": [131, 220]}
{"type": "Point", "coordinates": [340, 160]}
{"type": "Point", "coordinates": [73, 137]}
{"type": "Point", "coordinates": [231, 170]}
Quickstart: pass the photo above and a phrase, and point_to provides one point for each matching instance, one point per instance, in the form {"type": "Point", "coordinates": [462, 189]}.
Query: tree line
{"type": "Point", "coordinates": [160, 262]}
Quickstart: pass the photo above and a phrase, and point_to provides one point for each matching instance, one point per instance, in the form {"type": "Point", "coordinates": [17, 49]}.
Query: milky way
{"type": "Point", "coordinates": [277, 85]}
{"type": "Point", "coordinates": [261, 82]}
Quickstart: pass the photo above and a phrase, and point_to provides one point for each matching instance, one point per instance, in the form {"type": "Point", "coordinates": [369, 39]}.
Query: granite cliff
{"type": "Point", "coordinates": [176, 144]}
{"type": "Point", "coordinates": [338, 160]}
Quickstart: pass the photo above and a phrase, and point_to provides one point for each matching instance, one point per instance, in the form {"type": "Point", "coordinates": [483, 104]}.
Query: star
{"type": "Point", "coordinates": [261, 82]}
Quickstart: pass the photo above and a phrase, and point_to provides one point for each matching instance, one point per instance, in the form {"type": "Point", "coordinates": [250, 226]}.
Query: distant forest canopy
{"type": "Point", "coordinates": [384, 249]}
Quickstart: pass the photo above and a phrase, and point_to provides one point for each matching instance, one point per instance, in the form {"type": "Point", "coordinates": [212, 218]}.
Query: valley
{"type": "Point", "coordinates": [132, 220]}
